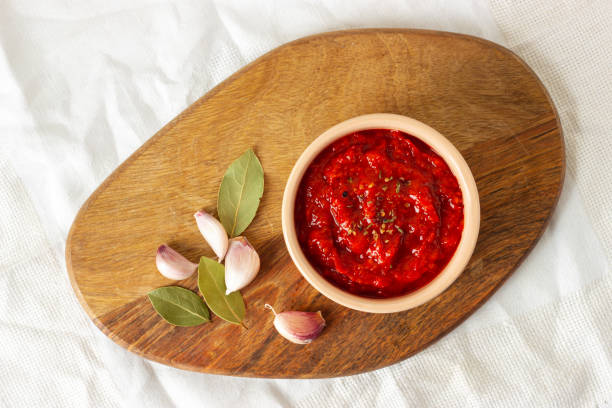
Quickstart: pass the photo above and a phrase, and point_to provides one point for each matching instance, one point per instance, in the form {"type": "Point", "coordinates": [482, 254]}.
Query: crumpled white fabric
{"type": "Point", "coordinates": [84, 84]}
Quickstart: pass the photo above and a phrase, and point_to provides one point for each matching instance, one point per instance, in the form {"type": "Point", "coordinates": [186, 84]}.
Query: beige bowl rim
{"type": "Point", "coordinates": [460, 170]}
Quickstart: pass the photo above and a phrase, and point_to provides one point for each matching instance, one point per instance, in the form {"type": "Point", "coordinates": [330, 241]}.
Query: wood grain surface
{"type": "Point", "coordinates": [478, 94]}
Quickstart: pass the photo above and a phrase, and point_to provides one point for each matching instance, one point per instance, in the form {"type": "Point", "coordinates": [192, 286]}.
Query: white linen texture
{"type": "Point", "coordinates": [84, 84]}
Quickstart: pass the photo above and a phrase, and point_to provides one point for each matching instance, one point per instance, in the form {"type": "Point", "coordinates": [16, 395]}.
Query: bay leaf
{"type": "Point", "coordinates": [179, 306]}
{"type": "Point", "coordinates": [211, 281]}
{"type": "Point", "coordinates": [241, 189]}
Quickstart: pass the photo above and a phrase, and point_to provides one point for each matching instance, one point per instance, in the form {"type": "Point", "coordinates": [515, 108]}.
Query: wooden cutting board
{"type": "Point", "coordinates": [478, 94]}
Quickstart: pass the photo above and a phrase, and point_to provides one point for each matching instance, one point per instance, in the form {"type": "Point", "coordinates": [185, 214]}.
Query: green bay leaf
{"type": "Point", "coordinates": [179, 306]}
{"type": "Point", "coordinates": [211, 281]}
{"type": "Point", "coordinates": [241, 189]}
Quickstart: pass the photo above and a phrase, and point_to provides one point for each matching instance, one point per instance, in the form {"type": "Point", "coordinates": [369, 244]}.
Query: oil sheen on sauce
{"type": "Point", "coordinates": [378, 213]}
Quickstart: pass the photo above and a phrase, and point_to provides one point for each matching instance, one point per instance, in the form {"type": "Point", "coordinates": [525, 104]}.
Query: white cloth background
{"type": "Point", "coordinates": [84, 84]}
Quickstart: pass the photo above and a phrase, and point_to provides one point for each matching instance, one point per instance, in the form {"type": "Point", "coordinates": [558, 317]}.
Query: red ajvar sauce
{"type": "Point", "coordinates": [378, 213]}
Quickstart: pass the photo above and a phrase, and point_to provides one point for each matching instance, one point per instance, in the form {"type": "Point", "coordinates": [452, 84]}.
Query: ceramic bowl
{"type": "Point", "coordinates": [458, 167]}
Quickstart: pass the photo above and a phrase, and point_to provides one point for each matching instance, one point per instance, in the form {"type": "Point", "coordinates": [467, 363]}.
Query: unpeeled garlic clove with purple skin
{"type": "Point", "coordinates": [298, 327]}
{"type": "Point", "coordinates": [213, 232]}
{"type": "Point", "coordinates": [173, 265]}
{"type": "Point", "coordinates": [241, 264]}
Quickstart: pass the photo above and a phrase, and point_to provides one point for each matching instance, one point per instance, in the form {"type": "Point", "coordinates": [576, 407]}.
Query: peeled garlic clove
{"type": "Point", "coordinates": [213, 232]}
{"type": "Point", "coordinates": [241, 264]}
{"type": "Point", "coordinates": [173, 265]}
{"type": "Point", "coordinates": [298, 327]}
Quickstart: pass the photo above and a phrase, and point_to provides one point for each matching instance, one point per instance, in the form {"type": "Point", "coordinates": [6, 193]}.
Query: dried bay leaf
{"type": "Point", "coordinates": [179, 306]}
{"type": "Point", "coordinates": [241, 189]}
{"type": "Point", "coordinates": [211, 281]}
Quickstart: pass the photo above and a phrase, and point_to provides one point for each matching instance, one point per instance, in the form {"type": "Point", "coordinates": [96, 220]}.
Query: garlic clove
{"type": "Point", "coordinates": [213, 232]}
{"type": "Point", "coordinates": [298, 327]}
{"type": "Point", "coordinates": [173, 265]}
{"type": "Point", "coordinates": [241, 264]}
